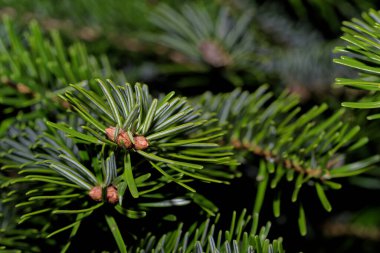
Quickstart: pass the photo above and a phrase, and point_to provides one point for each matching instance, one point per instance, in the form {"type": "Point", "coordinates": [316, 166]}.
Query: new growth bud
{"type": "Point", "coordinates": [112, 195]}
{"type": "Point", "coordinates": [141, 142]}
{"type": "Point", "coordinates": [122, 139]}
{"type": "Point", "coordinates": [96, 193]}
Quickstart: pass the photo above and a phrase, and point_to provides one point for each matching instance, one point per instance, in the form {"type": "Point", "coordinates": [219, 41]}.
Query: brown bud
{"type": "Point", "coordinates": [122, 139]}
{"type": "Point", "coordinates": [112, 195]}
{"type": "Point", "coordinates": [96, 193]}
{"type": "Point", "coordinates": [141, 142]}
{"type": "Point", "coordinates": [110, 132]}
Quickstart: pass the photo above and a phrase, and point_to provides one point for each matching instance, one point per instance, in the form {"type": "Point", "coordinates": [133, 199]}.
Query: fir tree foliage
{"type": "Point", "coordinates": [166, 131]}
{"type": "Point", "coordinates": [212, 38]}
{"type": "Point", "coordinates": [290, 145]}
{"type": "Point", "coordinates": [35, 69]}
{"type": "Point", "coordinates": [242, 236]}
{"type": "Point", "coordinates": [361, 53]}
{"type": "Point", "coordinates": [81, 168]}
{"type": "Point", "coordinates": [69, 168]}
{"type": "Point", "coordinates": [239, 43]}
{"type": "Point", "coordinates": [84, 146]}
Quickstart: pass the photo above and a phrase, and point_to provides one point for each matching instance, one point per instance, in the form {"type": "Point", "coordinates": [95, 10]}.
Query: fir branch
{"type": "Point", "coordinates": [209, 37]}
{"type": "Point", "coordinates": [73, 182]}
{"type": "Point", "coordinates": [164, 131]}
{"type": "Point", "coordinates": [288, 143]}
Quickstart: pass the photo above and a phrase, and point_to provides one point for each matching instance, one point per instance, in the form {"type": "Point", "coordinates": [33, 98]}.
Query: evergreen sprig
{"type": "Point", "coordinates": [201, 237]}
{"type": "Point", "coordinates": [11, 238]}
{"type": "Point", "coordinates": [35, 69]}
{"type": "Point", "coordinates": [209, 37]}
{"type": "Point", "coordinates": [77, 180]}
{"type": "Point", "coordinates": [289, 145]}
{"type": "Point", "coordinates": [362, 53]}
{"type": "Point", "coordinates": [117, 152]}
{"type": "Point", "coordinates": [100, 161]}
{"type": "Point", "coordinates": [167, 131]}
